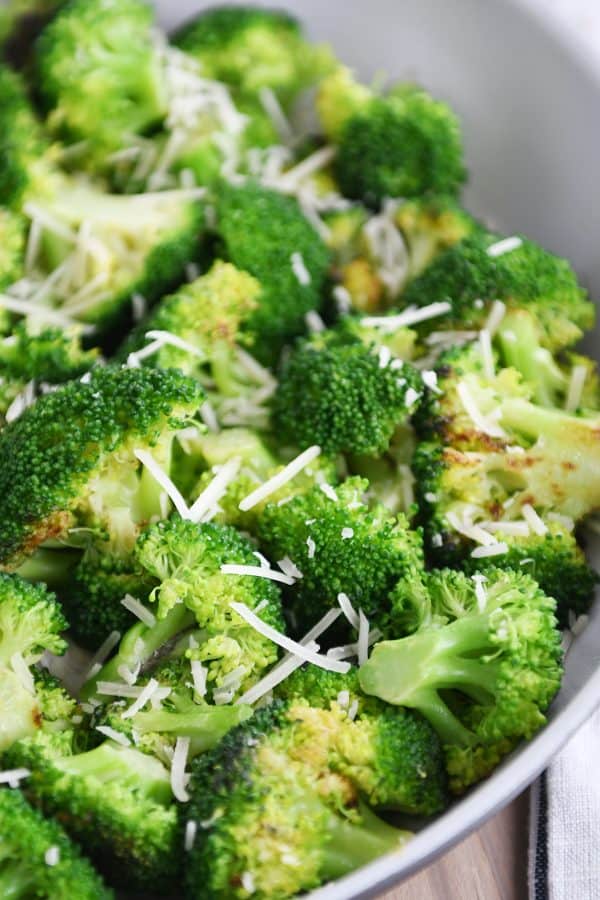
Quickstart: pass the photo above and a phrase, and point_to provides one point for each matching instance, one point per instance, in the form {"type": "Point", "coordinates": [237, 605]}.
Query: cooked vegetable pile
{"type": "Point", "coordinates": [295, 460]}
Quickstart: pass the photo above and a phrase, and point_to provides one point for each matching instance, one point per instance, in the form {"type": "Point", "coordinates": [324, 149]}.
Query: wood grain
{"type": "Point", "coordinates": [489, 865]}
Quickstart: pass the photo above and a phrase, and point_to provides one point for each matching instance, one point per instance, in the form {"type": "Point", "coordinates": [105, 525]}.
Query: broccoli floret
{"type": "Point", "coordinates": [279, 824]}
{"type": "Point", "coordinates": [93, 593]}
{"type": "Point", "coordinates": [430, 225]}
{"type": "Point", "coordinates": [31, 622]}
{"type": "Point", "coordinates": [27, 839]}
{"type": "Point", "coordinates": [70, 459]}
{"type": "Point", "coordinates": [341, 546]}
{"type": "Point", "coordinates": [137, 245]}
{"type": "Point", "coordinates": [336, 392]}
{"type": "Point", "coordinates": [115, 801]}
{"type": "Point", "coordinates": [521, 345]}
{"type": "Point", "coordinates": [98, 72]}
{"type": "Point", "coordinates": [266, 234]}
{"type": "Point", "coordinates": [392, 756]}
{"type": "Point", "coordinates": [482, 668]}
{"type": "Point", "coordinates": [190, 591]}
{"type": "Point", "coordinates": [253, 49]}
{"type": "Point", "coordinates": [207, 316]}
{"type": "Point", "coordinates": [182, 714]}
{"type": "Point", "coordinates": [470, 277]}
{"type": "Point", "coordinates": [399, 145]}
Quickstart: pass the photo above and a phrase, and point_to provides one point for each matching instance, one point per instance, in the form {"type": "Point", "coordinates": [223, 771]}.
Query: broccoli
{"type": "Point", "coordinates": [430, 225]}
{"type": "Point", "coordinates": [183, 713]}
{"type": "Point", "coordinates": [501, 480]}
{"type": "Point", "coordinates": [524, 277]}
{"type": "Point", "coordinates": [482, 667]}
{"type": "Point", "coordinates": [341, 546]}
{"type": "Point", "coordinates": [253, 50]}
{"type": "Point", "coordinates": [70, 459]}
{"type": "Point", "coordinates": [40, 358]}
{"type": "Point", "coordinates": [98, 72]}
{"type": "Point", "coordinates": [257, 464]}
{"type": "Point", "coordinates": [115, 801]}
{"type": "Point", "coordinates": [20, 22]}
{"type": "Point", "coordinates": [190, 591]}
{"type": "Point", "coordinates": [266, 234]}
{"type": "Point", "coordinates": [337, 392]}
{"type": "Point", "coordinates": [31, 622]}
{"type": "Point", "coordinates": [399, 145]}
{"type": "Point", "coordinates": [37, 859]}
{"type": "Point", "coordinates": [208, 316]}
{"type": "Point", "coordinates": [392, 756]}
{"type": "Point", "coordinates": [278, 823]}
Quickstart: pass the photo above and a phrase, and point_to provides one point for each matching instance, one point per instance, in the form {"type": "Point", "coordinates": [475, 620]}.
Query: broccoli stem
{"type": "Point", "coordinates": [412, 670]}
{"type": "Point", "coordinates": [205, 725]}
{"type": "Point", "coordinates": [353, 845]}
{"type": "Point", "coordinates": [521, 349]}
{"type": "Point", "coordinates": [142, 773]}
{"type": "Point", "coordinates": [52, 567]}
{"type": "Point", "coordinates": [139, 644]}
{"type": "Point", "coordinates": [535, 422]}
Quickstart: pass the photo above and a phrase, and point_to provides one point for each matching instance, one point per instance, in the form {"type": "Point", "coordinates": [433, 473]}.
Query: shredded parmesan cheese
{"type": "Point", "coordinates": [12, 777]}
{"type": "Point", "coordinates": [363, 638]}
{"type": "Point", "coordinates": [348, 610]}
{"type": "Point", "coordinates": [491, 550]}
{"type": "Point", "coordinates": [410, 316]}
{"type": "Point", "coordinates": [576, 384]}
{"type": "Point", "coordinates": [139, 610]}
{"type": "Point", "coordinates": [52, 856]}
{"type": "Point", "coordinates": [475, 414]}
{"type": "Point", "coordinates": [287, 643]}
{"type": "Point", "coordinates": [485, 344]}
{"type": "Point", "coordinates": [212, 493]}
{"type": "Point", "coordinates": [117, 736]}
{"type": "Point", "coordinates": [497, 313]}
{"type": "Point", "coordinates": [281, 478]}
{"type": "Point", "coordinates": [258, 571]}
{"type": "Point", "coordinates": [533, 520]}
{"type": "Point", "coordinates": [143, 698]}
{"type": "Point", "coordinates": [163, 480]}
{"type": "Point", "coordinates": [178, 764]}
{"type": "Point", "coordinates": [507, 245]}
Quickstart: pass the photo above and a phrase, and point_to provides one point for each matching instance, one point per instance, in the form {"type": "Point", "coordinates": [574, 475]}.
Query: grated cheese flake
{"type": "Point", "coordinates": [12, 777]}
{"type": "Point", "coordinates": [191, 829]}
{"type": "Point", "coordinates": [311, 547]}
{"type": "Point", "coordinates": [362, 644]}
{"type": "Point", "coordinates": [576, 384]}
{"type": "Point", "coordinates": [475, 414]}
{"type": "Point", "coordinates": [287, 643]}
{"type": "Point", "coordinates": [534, 521]}
{"type": "Point", "coordinates": [410, 316]}
{"type": "Point", "coordinates": [144, 697]}
{"type": "Point", "coordinates": [289, 568]}
{"type": "Point", "coordinates": [161, 477]}
{"type": "Point", "coordinates": [497, 313]}
{"type": "Point", "coordinates": [199, 676]}
{"type": "Point", "coordinates": [286, 474]}
{"type": "Point", "coordinates": [52, 856]}
{"type": "Point", "coordinates": [299, 269]}
{"type": "Point", "coordinates": [258, 571]}
{"type": "Point", "coordinates": [314, 322]}
{"type": "Point", "coordinates": [485, 345]}
{"type": "Point", "coordinates": [117, 736]}
{"type": "Point", "coordinates": [506, 245]}
{"type": "Point", "coordinates": [348, 610]}
{"type": "Point", "coordinates": [102, 654]}
{"type": "Point", "coordinates": [139, 610]}
{"type": "Point", "coordinates": [178, 764]}
{"type": "Point", "coordinates": [347, 533]}
{"type": "Point", "coordinates": [328, 491]}
{"type": "Point", "coordinates": [23, 673]}
{"type": "Point", "coordinates": [214, 491]}
{"type": "Point", "coordinates": [491, 550]}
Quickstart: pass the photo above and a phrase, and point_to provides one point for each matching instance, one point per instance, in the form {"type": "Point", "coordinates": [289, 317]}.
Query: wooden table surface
{"type": "Point", "coordinates": [489, 865]}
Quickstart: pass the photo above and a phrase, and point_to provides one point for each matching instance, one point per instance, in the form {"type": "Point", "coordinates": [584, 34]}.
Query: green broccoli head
{"type": "Point", "coordinates": [477, 271]}
{"type": "Point", "coordinates": [430, 225]}
{"type": "Point", "coordinates": [28, 841]}
{"type": "Point", "coordinates": [115, 801]}
{"type": "Point", "coordinates": [278, 822]}
{"type": "Point", "coordinates": [207, 316]}
{"type": "Point", "coordinates": [186, 559]}
{"type": "Point", "coordinates": [48, 356]}
{"type": "Point", "coordinates": [182, 714]}
{"type": "Point", "coordinates": [70, 459]}
{"type": "Point", "coordinates": [482, 667]}
{"type": "Point", "coordinates": [252, 49]}
{"type": "Point", "coordinates": [341, 546]}
{"type": "Point", "coordinates": [392, 756]}
{"type": "Point", "coordinates": [93, 593]}
{"type": "Point", "coordinates": [130, 245]}
{"type": "Point", "coordinates": [30, 703]}
{"type": "Point", "coordinates": [266, 234]}
{"type": "Point", "coordinates": [343, 395]}
{"type": "Point", "coordinates": [31, 621]}
{"type": "Point", "coordinates": [98, 72]}
{"type": "Point", "coordinates": [399, 145]}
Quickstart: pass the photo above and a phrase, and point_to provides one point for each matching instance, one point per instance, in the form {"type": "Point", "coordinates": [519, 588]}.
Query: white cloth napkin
{"type": "Point", "coordinates": [564, 848]}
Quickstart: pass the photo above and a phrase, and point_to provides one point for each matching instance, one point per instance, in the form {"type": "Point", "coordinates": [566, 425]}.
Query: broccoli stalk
{"type": "Point", "coordinates": [482, 667]}
{"type": "Point", "coordinates": [352, 844]}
